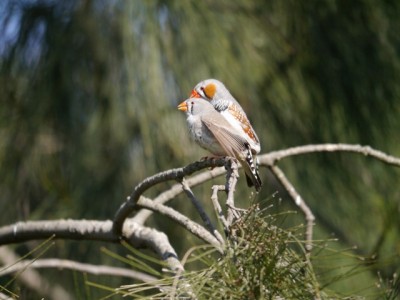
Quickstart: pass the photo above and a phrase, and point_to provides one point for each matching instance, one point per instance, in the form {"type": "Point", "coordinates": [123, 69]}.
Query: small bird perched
{"type": "Point", "coordinates": [213, 132]}
{"type": "Point", "coordinates": [215, 91]}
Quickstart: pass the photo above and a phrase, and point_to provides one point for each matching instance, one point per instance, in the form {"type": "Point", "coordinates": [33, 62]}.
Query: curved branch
{"type": "Point", "coordinates": [203, 215]}
{"type": "Point", "coordinates": [174, 174]}
{"type": "Point", "coordinates": [266, 160]}
{"type": "Point", "coordinates": [273, 157]}
{"type": "Point", "coordinates": [30, 278]}
{"type": "Point", "coordinates": [175, 190]}
{"type": "Point", "coordinates": [76, 266]}
{"type": "Point", "coordinates": [298, 200]}
{"type": "Point", "coordinates": [139, 235]}
{"type": "Point", "coordinates": [136, 235]}
{"type": "Point", "coordinates": [190, 225]}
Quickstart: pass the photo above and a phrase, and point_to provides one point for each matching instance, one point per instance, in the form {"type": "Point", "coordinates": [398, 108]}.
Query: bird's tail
{"type": "Point", "coordinates": [250, 166]}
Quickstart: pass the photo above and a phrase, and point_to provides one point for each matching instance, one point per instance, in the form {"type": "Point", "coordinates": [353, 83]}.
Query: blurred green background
{"type": "Point", "coordinates": [89, 91]}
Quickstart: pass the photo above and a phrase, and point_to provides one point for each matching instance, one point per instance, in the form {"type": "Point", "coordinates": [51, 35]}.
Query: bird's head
{"type": "Point", "coordinates": [210, 89]}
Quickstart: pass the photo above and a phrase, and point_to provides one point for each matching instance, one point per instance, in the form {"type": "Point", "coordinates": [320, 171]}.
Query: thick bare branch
{"type": "Point", "coordinates": [63, 229]}
{"type": "Point", "coordinates": [174, 174]}
{"type": "Point", "coordinates": [152, 239]}
{"type": "Point", "coordinates": [135, 234]}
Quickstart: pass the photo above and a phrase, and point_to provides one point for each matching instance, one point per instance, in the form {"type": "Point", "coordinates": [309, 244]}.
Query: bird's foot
{"type": "Point", "coordinates": [213, 158]}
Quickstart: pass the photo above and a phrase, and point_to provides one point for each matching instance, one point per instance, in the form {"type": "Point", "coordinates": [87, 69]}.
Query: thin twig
{"type": "Point", "coordinates": [232, 176]}
{"type": "Point", "coordinates": [188, 224]}
{"type": "Point", "coordinates": [76, 266]}
{"type": "Point", "coordinates": [298, 200]}
{"type": "Point", "coordinates": [272, 157]}
{"type": "Point", "coordinates": [217, 207]}
{"type": "Point", "coordinates": [211, 228]}
{"type": "Point", "coordinates": [30, 278]}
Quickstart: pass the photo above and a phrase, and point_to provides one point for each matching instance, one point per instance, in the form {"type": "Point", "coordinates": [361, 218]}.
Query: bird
{"type": "Point", "coordinates": [211, 131]}
{"type": "Point", "coordinates": [219, 96]}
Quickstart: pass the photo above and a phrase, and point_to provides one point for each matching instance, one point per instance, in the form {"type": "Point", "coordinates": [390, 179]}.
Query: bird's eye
{"type": "Point", "coordinates": [202, 92]}
{"type": "Point", "coordinates": [208, 91]}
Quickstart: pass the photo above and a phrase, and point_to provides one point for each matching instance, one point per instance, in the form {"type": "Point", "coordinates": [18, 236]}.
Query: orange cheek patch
{"type": "Point", "coordinates": [209, 90]}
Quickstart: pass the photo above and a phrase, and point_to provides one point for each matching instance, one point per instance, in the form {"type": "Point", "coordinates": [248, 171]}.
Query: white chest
{"type": "Point", "coordinates": [203, 136]}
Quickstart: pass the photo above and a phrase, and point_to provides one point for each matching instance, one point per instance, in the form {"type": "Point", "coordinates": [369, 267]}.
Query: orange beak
{"type": "Point", "coordinates": [183, 106]}
{"type": "Point", "coordinates": [194, 94]}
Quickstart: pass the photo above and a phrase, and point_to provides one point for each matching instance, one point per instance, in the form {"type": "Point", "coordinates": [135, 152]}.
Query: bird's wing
{"type": "Point", "coordinates": [233, 108]}
{"type": "Point", "coordinates": [233, 144]}
{"type": "Point", "coordinates": [240, 115]}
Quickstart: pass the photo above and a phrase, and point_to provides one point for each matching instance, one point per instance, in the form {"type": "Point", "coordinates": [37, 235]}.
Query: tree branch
{"type": "Point", "coordinates": [201, 211]}
{"type": "Point", "coordinates": [176, 189]}
{"type": "Point", "coordinates": [174, 174]}
{"type": "Point", "coordinates": [273, 157]}
{"type": "Point", "coordinates": [190, 225]}
{"type": "Point", "coordinates": [137, 235]}
{"type": "Point", "coordinates": [76, 266]}
{"type": "Point", "coordinates": [270, 160]}
{"type": "Point", "coordinates": [217, 207]}
{"type": "Point", "coordinates": [31, 278]}
{"type": "Point", "coordinates": [232, 176]}
{"type": "Point", "coordinates": [298, 200]}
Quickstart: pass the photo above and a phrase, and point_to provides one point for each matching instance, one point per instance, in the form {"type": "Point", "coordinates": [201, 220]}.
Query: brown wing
{"type": "Point", "coordinates": [244, 121]}
{"type": "Point", "coordinates": [233, 144]}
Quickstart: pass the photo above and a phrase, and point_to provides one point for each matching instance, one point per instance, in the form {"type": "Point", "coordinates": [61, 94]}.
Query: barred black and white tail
{"type": "Point", "coordinates": [251, 170]}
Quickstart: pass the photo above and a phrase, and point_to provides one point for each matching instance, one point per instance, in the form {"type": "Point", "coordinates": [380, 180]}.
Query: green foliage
{"type": "Point", "coordinates": [261, 261]}
{"type": "Point", "coordinates": [260, 264]}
